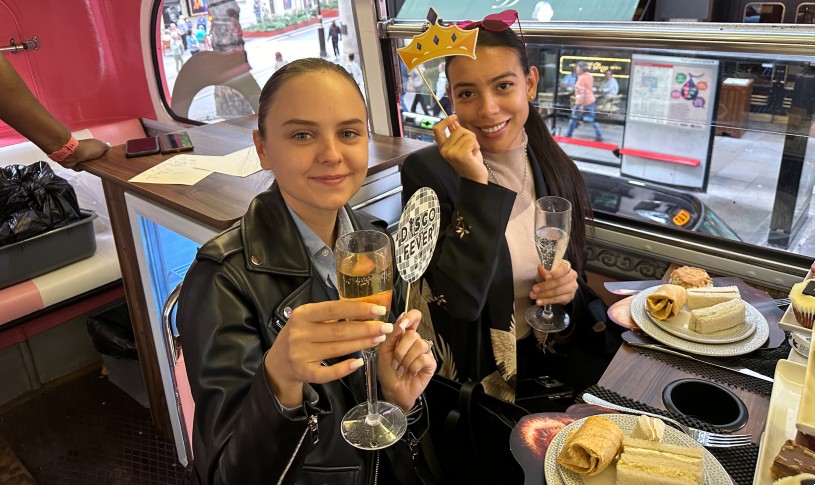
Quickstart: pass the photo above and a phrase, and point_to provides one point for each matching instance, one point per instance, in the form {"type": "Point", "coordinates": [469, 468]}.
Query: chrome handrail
{"type": "Point", "coordinates": [25, 45]}
{"type": "Point", "coordinates": [784, 40]}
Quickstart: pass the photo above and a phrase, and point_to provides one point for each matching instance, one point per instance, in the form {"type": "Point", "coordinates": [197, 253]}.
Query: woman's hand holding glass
{"type": "Point", "coordinates": [405, 363]}
{"type": "Point", "coordinates": [313, 334]}
{"type": "Point", "coordinates": [459, 146]}
{"type": "Point", "coordinates": [555, 287]}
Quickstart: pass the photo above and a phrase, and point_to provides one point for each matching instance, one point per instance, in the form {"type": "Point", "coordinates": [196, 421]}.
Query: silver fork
{"type": "Point", "coordinates": [706, 438]}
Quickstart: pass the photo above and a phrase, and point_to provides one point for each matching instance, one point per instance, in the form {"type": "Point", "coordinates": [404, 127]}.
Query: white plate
{"type": "Point", "coordinates": [640, 315]}
{"type": "Point", "coordinates": [715, 474]}
{"type": "Point", "coordinates": [781, 416]}
{"type": "Point", "coordinates": [801, 343]}
{"type": "Point", "coordinates": [790, 324]}
{"type": "Point", "coordinates": [728, 335]}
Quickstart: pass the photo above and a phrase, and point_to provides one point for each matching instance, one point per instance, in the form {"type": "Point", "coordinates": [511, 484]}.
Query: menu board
{"type": "Point", "coordinates": [669, 119]}
{"type": "Point", "coordinates": [672, 91]}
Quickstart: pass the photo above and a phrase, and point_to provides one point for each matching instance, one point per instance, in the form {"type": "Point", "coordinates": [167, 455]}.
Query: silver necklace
{"type": "Point", "coordinates": [526, 172]}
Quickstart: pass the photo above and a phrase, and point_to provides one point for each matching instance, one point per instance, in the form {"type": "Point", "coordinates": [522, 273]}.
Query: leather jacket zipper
{"type": "Point", "coordinates": [314, 428]}
{"type": "Point", "coordinates": [311, 428]}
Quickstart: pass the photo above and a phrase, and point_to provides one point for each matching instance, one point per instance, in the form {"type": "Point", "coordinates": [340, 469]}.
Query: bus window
{"type": "Point", "coordinates": [805, 14]}
{"type": "Point", "coordinates": [764, 12]}
{"type": "Point", "coordinates": [213, 58]}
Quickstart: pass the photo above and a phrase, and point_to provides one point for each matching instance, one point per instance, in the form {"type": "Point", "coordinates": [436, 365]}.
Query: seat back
{"type": "Point", "coordinates": [210, 68]}
{"type": "Point", "coordinates": [183, 396]}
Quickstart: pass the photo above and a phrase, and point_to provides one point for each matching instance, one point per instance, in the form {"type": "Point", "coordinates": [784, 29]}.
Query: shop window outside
{"type": "Point", "coordinates": [764, 12]}
{"type": "Point", "coordinates": [805, 13]}
{"type": "Point", "coordinates": [747, 148]}
{"type": "Point", "coordinates": [237, 26]}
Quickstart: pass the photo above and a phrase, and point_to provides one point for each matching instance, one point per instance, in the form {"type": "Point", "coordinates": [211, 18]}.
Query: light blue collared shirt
{"type": "Point", "coordinates": [321, 256]}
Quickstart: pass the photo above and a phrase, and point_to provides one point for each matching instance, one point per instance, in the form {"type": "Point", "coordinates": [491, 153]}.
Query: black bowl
{"type": "Point", "coordinates": [706, 401]}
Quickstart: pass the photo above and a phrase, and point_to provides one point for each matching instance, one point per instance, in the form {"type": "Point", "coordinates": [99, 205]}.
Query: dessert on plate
{"type": "Point", "coordinates": [690, 277]}
{"type": "Point", "coordinates": [792, 460]}
{"type": "Point", "coordinates": [802, 300]}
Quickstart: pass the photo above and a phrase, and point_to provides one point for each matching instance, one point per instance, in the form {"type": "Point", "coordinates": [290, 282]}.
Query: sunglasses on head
{"type": "Point", "coordinates": [495, 22]}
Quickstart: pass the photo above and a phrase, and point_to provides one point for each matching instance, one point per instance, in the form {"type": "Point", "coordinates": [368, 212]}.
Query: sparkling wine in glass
{"type": "Point", "coordinates": [553, 221]}
{"type": "Point", "coordinates": [365, 273]}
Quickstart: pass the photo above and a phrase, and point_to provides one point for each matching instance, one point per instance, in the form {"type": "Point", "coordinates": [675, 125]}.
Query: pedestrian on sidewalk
{"type": "Point", "coordinates": [336, 34]}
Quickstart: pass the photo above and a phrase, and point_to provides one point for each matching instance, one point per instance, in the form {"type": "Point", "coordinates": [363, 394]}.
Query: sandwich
{"type": "Point", "coordinates": [718, 317]}
{"type": "Point", "coordinates": [705, 297]}
{"type": "Point", "coordinates": [645, 462]}
{"type": "Point", "coordinates": [591, 448]}
{"type": "Point", "coordinates": [666, 301]}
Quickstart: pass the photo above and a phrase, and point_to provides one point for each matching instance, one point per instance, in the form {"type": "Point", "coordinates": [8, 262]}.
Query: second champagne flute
{"type": "Point", "coordinates": [365, 273]}
{"type": "Point", "coordinates": [553, 222]}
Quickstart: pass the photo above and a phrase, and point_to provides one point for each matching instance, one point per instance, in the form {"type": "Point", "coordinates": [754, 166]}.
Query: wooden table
{"type": "Point", "coordinates": [215, 202]}
{"type": "Point", "coordinates": [642, 378]}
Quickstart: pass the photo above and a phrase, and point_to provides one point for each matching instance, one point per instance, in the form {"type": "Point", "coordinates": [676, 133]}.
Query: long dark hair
{"type": "Point", "coordinates": [292, 70]}
{"type": "Point", "coordinates": [562, 176]}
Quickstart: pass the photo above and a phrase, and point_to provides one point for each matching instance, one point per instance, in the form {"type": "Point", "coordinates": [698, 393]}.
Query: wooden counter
{"type": "Point", "coordinates": [216, 202]}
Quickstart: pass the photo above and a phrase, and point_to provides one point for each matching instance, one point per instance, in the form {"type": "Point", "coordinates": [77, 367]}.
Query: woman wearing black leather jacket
{"type": "Point", "coordinates": [271, 371]}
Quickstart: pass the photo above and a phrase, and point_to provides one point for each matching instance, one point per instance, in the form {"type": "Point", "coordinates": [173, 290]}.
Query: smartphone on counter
{"type": "Point", "coordinates": [175, 142]}
{"type": "Point", "coordinates": [141, 146]}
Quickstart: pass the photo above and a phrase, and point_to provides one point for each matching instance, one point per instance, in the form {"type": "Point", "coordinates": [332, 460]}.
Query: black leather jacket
{"type": "Point", "coordinates": [236, 297]}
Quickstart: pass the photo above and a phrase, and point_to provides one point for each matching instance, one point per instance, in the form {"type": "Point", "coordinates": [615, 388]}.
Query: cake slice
{"type": "Point", "coordinates": [792, 460]}
{"type": "Point", "coordinates": [705, 297]}
{"type": "Point", "coordinates": [645, 462]}
{"type": "Point", "coordinates": [718, 317]}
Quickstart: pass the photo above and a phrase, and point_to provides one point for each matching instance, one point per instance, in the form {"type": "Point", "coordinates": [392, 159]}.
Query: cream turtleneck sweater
{"type": "Point", "coordinates": [508, 169]}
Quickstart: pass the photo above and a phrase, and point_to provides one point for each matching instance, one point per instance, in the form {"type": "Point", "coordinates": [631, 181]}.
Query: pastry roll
{"type": "Point", "coordinates": [666, 301]}
{"type": "Point", "coordinates": [592, 447]}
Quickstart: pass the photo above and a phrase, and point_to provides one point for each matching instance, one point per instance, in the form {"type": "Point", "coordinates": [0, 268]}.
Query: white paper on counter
{"type": "Point", "coordinates": [179, 170]}
{"type": "Point", "coordinates": [239, 164]}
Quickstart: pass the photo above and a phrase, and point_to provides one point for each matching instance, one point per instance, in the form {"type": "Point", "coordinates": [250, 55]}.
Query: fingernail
{"type": "Point", "coordinates": [394, 364]}
{"type": "Point", "coordinates": [378, 310]}
{"type": "Point", "coordinates": [356, 364]}
{"type": "Point", "coordinates": [405, 323]}
{"type": "Point", "coordinates": [379, 340]}
{"type": "Point", "coordinates": [386, 327]}
{"type": "Point", "coordinates": [400, 371]}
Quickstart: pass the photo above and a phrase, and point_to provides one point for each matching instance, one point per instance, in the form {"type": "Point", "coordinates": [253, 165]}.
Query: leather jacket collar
{"type": "Point", "coordinates": [270, 236]}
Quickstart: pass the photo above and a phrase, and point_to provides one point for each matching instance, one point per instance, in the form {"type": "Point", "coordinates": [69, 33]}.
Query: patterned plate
{"type": "Point", "coordinates": [715, 474]}
{"type": "Point", "coordinates": [741, 347]}
{"type": "Point", "coordinates": [734, 334]}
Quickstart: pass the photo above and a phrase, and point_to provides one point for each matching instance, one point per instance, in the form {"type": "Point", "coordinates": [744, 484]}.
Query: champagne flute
{"type": "Point", "coordinates": [553, 222]}
{"type": "Point", "coordinates": [365, 273]}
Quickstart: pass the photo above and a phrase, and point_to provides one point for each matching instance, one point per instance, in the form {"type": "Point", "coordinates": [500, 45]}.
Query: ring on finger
{"type": "Point", "coordinates": [429, 346]}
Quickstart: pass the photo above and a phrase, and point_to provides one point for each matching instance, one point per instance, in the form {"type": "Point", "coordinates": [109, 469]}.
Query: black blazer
{"type": "Point", "coordinates": [469, 284]}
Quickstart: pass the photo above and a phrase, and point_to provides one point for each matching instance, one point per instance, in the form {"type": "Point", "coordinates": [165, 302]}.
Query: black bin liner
{"type": "Point", "coordinates": [33, 200]}
{"type": "Point", "coordinates": [112, 332]}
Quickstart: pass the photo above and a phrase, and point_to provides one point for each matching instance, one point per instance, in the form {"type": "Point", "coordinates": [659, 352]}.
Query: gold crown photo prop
{"type": "Point", "coordinates": [438, 41]}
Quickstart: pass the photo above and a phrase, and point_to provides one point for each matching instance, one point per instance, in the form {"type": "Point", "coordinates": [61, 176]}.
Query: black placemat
{"type": "Point", "coordinates": [762, 361]}
{"type": "Point", "coordinates": [739, 462]}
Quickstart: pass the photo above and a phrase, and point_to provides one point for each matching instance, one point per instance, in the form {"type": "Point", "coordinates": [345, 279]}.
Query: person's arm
{"type": "Point", "coordinates": [236, 413]}
{"type": "Point", "coordinates": [23, 112]}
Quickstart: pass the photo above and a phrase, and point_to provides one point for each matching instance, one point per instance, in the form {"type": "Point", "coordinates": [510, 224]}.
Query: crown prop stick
{"type": "Point", "coordinates": [437, 41]}
{"type": "Point", "coordinates": [416, 236]}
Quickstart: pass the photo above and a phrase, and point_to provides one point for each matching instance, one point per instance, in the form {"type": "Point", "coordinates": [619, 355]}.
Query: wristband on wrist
{"type": "Point", "coordinates": [66, 151]}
